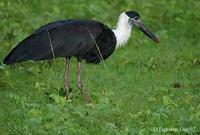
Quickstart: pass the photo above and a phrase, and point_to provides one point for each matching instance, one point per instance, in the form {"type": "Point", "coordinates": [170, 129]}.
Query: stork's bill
{"type": "Point", "coordinates": [140, 25]}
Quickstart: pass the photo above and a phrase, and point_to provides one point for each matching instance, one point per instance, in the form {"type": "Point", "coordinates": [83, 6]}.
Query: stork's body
{"type": "Point", "coordinates": [66, 38]}
{"type": "Point", "coordinates": [84, 39]}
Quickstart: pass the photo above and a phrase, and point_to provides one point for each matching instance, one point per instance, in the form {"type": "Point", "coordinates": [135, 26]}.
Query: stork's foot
{"type": "Point", "coordinates": [84, 92]}
{"type": "Point", "coordinates": [86, 96]}
{"type": "Point", "coordinates": [68, 93]}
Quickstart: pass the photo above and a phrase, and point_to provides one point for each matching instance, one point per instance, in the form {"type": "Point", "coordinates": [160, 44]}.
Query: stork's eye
{"type": "Point", "coordinates": [136, 18]}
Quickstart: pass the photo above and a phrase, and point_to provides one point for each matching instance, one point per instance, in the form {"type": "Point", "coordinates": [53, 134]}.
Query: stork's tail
{"type": "Point", "coordinates": [33, 47]}
{"type": "Point", "coordinates": [18, 54]}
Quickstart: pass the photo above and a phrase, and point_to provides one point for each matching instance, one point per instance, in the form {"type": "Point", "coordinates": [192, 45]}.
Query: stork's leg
{"type": "Point", "coordinates": [80, 83]}
{"type": "Point", "coordinates": [66, 78]}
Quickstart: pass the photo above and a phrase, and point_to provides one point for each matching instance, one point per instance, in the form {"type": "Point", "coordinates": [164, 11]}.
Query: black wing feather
{"type": "Point", "coordinates": [68, 38]}
{"type": "Point", "coordinates": [51, 25]}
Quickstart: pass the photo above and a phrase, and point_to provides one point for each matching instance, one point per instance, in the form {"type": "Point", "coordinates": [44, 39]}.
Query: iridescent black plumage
{"type": "Point", "coordinates": [68, 38]}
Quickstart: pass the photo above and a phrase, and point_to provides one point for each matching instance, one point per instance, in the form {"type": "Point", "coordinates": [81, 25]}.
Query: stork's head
{"type": "Point", "coordinates": [135, 21]}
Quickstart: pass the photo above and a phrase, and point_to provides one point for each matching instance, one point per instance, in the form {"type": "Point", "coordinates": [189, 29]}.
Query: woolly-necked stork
{"type": "Point", "coordinates": [87, 40]}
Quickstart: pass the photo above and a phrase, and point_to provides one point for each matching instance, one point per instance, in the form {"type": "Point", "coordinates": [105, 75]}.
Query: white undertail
{"type": "Point", "coordinates": [123, 30]}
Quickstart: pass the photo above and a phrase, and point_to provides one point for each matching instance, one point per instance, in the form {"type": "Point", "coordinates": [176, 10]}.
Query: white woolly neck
{"type": "Point", "coordinates": [123, 30]}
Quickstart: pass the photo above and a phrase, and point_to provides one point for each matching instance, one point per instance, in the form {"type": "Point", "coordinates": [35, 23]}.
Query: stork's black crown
{"type": "Point", "coordinates": [132, 14]}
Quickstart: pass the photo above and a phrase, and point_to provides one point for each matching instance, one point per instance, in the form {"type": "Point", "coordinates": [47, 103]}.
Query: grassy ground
{"type": "Point", "coordinates": [140, 89]}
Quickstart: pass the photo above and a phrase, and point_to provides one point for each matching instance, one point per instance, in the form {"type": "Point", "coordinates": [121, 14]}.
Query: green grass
{"type": "Point", "coordinates": [140, 87]}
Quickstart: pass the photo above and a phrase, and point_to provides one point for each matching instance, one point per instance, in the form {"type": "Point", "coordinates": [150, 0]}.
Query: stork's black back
{"type": "Point", "coordinates": [66, 38]}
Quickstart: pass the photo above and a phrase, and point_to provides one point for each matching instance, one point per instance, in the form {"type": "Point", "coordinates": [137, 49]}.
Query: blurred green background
{"type": "Point", "coordinates": [141, 87]}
